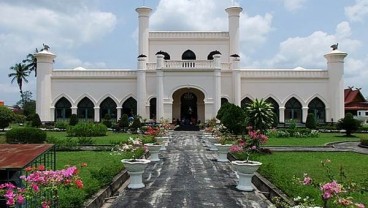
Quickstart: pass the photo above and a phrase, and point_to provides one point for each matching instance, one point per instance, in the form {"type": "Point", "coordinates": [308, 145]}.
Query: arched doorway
{"type": "Point", "coordinates": [188, 106]}
{"type": "Point", "coordinates": [63, 109]}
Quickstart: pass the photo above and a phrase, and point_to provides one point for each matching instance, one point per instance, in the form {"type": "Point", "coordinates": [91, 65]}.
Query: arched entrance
{"type": "Point", "coordinates": [188, 106]}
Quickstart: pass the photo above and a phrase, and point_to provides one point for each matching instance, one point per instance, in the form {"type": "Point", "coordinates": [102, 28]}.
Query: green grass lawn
{"type": "Point", "coordinates": [281, 167]}
{"type": "Point", "coordinates": [101, 168]}
{"type": "Point", "coordinates": [323, 139]}
{"type": "Point", "coordinates": [111, 138]}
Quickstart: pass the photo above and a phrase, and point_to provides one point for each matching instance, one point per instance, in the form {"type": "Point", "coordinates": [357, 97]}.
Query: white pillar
{"type": "Point", "coordinates": [282, 114]}
{"type": "Point", "coordinates": [74, 110]}
{"type": "Point", "coordinates": [143, 18]}
{"type": "Point", "coordinates": [217, 83]}
{"type": "Point", "coordinates": [335, 68]}
{"type": "Point", "coordinates": [97, 114]}
{"type": "Point", "coordinates": [236, 80]}
{"type": "Point", "coordinates": [234, 14]}
{"type": "Point", "coordinates": [45, 62]}
{"type": "Point", "coordinates": [141, 86]}
{"type": "Point", "coordinates": [160, 87]}
{"type": "Point", "coordinates": [118, 112]}
{"type": "Point", "coordinates": [305, 114]}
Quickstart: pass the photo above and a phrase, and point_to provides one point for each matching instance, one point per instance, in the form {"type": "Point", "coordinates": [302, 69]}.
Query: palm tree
{"type": "Point", "coordinates": [260, 115]}
{"type": "Point", "coordinates": [20, 74]}
{"type": "Point", "coordinates": [31, 62]}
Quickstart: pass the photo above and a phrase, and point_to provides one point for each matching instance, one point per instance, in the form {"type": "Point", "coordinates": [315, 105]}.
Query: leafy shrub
{"type": "Point", "coordinates": [36, 121]}
{"type": "Point", "coordinates": [364, 142]}
{"type": "Point", "coordinates": [86, 130]}
{"type": "Point", "coordinates": [62, 144]}
{"type": "Point", "coordinates": [136, 124]}
{"type": "Point", "coordinates": [6, 116]}
{"type": "Point", "coordinates": [311, 121]}
{"type": "Point", "coordinates": [349, 124]}
{"type": "Point", "coordinates": [73, 120]}
{"type": "Point", "coordinates": [233, 118]}
{"type": "Point", "coordinates": [61, 125]}
{"type": "Point", "coordinates": [85, 141]}
{"type": "Point", "coordinates": [107, 121]}
{"type": "Point", "coordinates": [124, 122]}
{"type": "Point", "coordinates": [25, 135]}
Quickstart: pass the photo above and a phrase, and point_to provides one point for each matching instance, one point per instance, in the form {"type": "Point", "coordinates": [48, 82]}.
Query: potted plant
{"type": "Point", "coordinates": [223, 147]}
{"type": "Point", "coordinates": [245, 169]}
{"type": "Point", "coordinates": [134, 165]}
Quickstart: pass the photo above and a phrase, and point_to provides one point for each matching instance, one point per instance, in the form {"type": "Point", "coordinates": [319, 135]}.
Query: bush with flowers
{"type": "Point", "coordinates": [251, 143]}
{"type": "Point", "coordinates": [334, 193]}
{"type": "Point", "coordinates": [133, 148]}
{"type": "Point", "coordinates": [40, 186]}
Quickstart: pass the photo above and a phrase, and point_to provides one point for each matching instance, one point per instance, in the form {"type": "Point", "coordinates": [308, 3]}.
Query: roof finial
{"type": "Point", "coordinates": [335, 46]}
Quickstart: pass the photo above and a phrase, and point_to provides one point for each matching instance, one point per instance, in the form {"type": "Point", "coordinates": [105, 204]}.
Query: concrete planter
{"type": "Point", "coordinates": [223, 149]}
{"type": "Point", "coordinates": [135, 169]}
{"type": "Point", "coordinates": [154, 150]}
{"type": "Point", "coordinates": [245, 171]}
{"type": "Point", "coordinates": [162, 140]}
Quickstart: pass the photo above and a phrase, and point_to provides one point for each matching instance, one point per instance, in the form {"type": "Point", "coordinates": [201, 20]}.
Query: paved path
{"type": "Point", "coordinates": [189, 176]}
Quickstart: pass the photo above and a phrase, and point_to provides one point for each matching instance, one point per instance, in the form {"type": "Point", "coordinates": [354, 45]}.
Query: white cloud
{"type": "Point", "coordinates": [358, 11]}
{"type": "Point", "coordinates": [293, 5]}
{"type": "Point", "coordinates": [71, 62]}
{"type": "Point", "coordinates": [308, 51]}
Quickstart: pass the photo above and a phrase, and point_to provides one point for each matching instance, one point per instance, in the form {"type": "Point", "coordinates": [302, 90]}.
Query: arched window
{"type": "Point", "coordinates": [130, 107]}
{"type": "Point", "coordinates": [210, 56]}
{"type": "Point", "coordinates": [188, 55]}
{"type": "Point", "coordinates": [153, 108]}
{"type": "Point", "coordinates": [245, 102]}
{"type": "Point", "coordinates": [275, 107]}
{"type": "Point", "coordinates": [318, 108]}
{"type": "Point", "coordinates": [293, 110]}
{"type": "Point", "coordinates": [223, 101]}
{"type": "Point", "coordinates": [108, 107]}
{"type": "Point", "coordinates": [86, 109]}
{"type": "Point", "coordinates": [166, 55]}
{"type": "Point", "coordinates": [63, 109]}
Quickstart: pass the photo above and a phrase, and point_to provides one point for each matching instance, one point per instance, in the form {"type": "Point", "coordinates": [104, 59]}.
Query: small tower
{"type": "Point", "coordinates": [335, 68]}
{"type": "Point", "coordinates": [234, 15]}
{"type": "Point", "coordinates": [143, 18]}
{"type": "Point", "coordinates": [45, 64]}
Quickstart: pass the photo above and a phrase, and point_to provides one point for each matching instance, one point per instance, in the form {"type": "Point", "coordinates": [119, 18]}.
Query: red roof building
{"type": "Point", "coordinates": [356, 104]}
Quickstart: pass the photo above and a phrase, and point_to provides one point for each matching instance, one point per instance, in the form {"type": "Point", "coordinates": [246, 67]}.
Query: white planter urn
{"type": "Point", "coordinates": [135, 168]}
{"type": "Point", "coordinates": [162, 140]}
{"type": "Point", "coordinates": [212, 141]}
{"type": "Point", "coordinates": [245, 171]}
{"type": "Point", "coordinates": [223, 149]}
{"type": "Point", "coordinates": [154, 149]}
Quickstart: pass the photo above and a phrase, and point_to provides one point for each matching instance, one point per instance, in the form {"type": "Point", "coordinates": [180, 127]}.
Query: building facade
{"type": "Point", "coordinates": [186, 76]}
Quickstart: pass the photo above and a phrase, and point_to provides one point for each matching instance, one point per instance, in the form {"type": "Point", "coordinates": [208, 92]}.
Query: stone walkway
{"type": "Point", "coordinates": [335, 147]}
{"type": "Point", "coordinates": [189, 176]}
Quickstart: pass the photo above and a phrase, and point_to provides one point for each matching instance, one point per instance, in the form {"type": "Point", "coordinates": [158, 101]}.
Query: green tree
{"type": "Point", "coordinates": [311, 123]}
{"type": "Point", "coordinates": [107, 120]}
{"type": "Point", "coordinates": [31, 62]}
{"type": "Point", "coordinates": [260, 115]}
{"type": "Point", "coordinates": [6, 116]}
{"type": "Point", "coordinates": [124, 122]}
{"type": "Point", "coordinates": [349, 124]}
{"type": "Point", "coordinates": [222, 110]}
{"type": "Point", "coordinates": [27, 104]}
{"type": "Point", "coordinates": [233, 117]}
{"type": "Point", "coordinates": [20, 74]}
{"type": "Point", "coordinates": [36, 121]}
{"type": "Point", "coordinates": [73, 120]}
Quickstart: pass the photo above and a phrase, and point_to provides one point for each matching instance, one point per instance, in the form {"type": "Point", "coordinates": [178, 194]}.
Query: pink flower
{"type": "Point", "coordinates": [307, 180]}
{"type": "Point", "coordinates": [35, 188]}
{"type": "Point", "coordinates": [20, 199]}
{"type": "Point", "coordinates": [331, 189]}
{"type": "Point", "coordinates": [358, 205]}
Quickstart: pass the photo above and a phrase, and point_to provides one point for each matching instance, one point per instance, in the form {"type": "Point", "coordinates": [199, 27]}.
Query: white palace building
{"type": "Point", "coordinates": [188, 75]}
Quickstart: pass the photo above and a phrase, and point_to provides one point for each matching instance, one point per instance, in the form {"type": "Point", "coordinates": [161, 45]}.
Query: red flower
{"type": "Point", "coordinates": [41, 168]}
{"type": "Point", "coordinates": [79, 183]}
{"type": "Point", "coordinates": [84, 165]}
{"type": "Point", "coordinates": [28, 169]}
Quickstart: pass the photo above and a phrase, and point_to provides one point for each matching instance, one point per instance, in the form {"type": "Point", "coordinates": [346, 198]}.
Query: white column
{"type": "Point", "coordinates": [217, 84]}
{"type": "Point", "coordinates": [234, 14]}
{"type": "Point", "coordinates": [143, 32]}
{"type": "Point", "coordinates": [282, 114]}
{"type": "Point", "coordinates": [236, 80]}
{"type": "Point", "coordinates": [118, 112]}
{"type": "Point", "coordinates": [305, 114]}
{"type": "Point", "coordinates": [141, 87]}
{"type": "Point", "coordinates": [160, 87]}
{"type": "Point", "coordinates": [45, 62]}
{"type": "Point", "coordinates": [74, 110]}
{"type": "Point", "coordinates": [52, 113]}
{"type": "Point", "coordinates": [335, 68]}
{"type": "Point", "coordinates": [97, 114]}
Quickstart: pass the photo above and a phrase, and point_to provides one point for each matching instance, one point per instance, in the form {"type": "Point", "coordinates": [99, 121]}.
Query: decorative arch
{"type": "Point", "coordinates": [212, 53]}
{"type": "Point", "coordinates": [61, 96]}
{"type": "Point", "coordinates": [188, 87]}
{"type": "Point", "coordinates": [63, 109]}
{"type": "Point", "coordinates": [224, 100]}
{"type": "Point", "coordinates": [130, 95]}
{"type": "Point", "coordinates": [80, 98]}
{"type": "Point", "coordinates": [86, 109]}
{"type": "Point", "coordinates": [245, 102]}
{"type": "Point", "coordinates": [293, 110]}
{"type": "Point", "coordinates": [188, 55]}
{"type": "Point", "coordinates": [165, 54]}
{"type": "Point", "coordinates": [103, 98]}
{"type": "Point", "coordinates": [318, 108]}
{"type": "Point", "coordinates": [130, 107]}
{"type": "Point", "coordinates": [108, 107]}
{"type": "Point", "coordinates": [296, 97]}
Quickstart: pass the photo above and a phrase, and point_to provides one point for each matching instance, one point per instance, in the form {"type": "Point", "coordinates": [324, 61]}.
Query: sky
{"type": "Point", "coordinates": [103, 33]}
